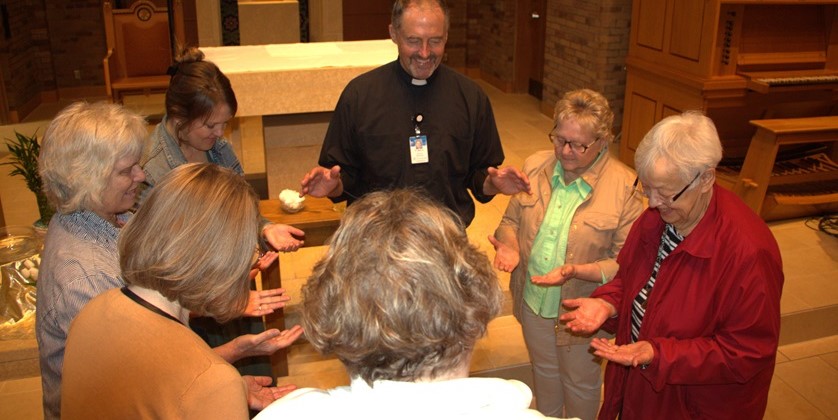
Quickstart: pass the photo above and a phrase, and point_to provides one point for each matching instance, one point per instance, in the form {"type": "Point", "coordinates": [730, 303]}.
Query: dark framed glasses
{"type": "Point", "coordinates": [638, 187]}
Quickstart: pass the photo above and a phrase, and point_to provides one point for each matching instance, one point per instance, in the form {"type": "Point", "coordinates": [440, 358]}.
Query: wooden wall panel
{"type": "Point", "coordinates": [685, 30]}
{"type": "Point", "coordinates": [648, 100]}
{"type": "Point", "coordinates": [650, 26]}
{"type": "Point", "coordinates": [642, 117]}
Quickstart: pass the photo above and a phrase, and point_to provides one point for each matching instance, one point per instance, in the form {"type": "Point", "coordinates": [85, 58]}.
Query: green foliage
{"type": "Point", "coordinates": [24, 160]}
{"type": "Point", "coordinates": [25, 151]}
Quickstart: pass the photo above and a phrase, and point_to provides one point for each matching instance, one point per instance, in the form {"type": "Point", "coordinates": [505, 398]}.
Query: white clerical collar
{"type": "Point", "coordinates": [419, 82]}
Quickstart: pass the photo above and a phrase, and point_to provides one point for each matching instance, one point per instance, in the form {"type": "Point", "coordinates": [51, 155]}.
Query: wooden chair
{"type": "Point", "coordinates": [139, 48]}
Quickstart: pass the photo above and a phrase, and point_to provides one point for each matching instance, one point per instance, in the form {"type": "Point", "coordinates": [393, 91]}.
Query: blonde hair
{"type": "Point", "coordinates": [80, 149]}
{"type": "Point", "coordinates": [589, 109]}
{"type": "Point", "coordinates": [194, 240]}
{"type": "Point", "coordinates": [401, 294]}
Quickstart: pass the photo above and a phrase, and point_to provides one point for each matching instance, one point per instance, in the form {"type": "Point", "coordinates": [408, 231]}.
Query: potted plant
{"type": "Point", "coordinates": [24, 159]}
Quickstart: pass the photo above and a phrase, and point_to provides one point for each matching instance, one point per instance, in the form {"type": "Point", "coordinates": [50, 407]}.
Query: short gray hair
{"type": "Point", "coordinates": [688, 142]}
{"type": "Point", "coordinates": [401, 293]}
{"type": "Point", "coordinates": [80, 149]}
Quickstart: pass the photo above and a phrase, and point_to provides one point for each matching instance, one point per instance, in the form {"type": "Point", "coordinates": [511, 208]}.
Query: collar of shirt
{"type": "Point", "coordinates": [174, 156]}
{"type": "Point", "coordinates": [578, 185]}
{"type": "Point", "coordinates": [408, 79]}
{"type": "Point", "coordinates": [88, 224]}
{"type": "Point", "coordinates": [592, 174]}
{"type": "Point", "coordinates": [704, 238]}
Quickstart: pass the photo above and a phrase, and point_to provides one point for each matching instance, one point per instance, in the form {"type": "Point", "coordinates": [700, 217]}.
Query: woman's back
{"type": "Point", "coordinates": [123, 360]}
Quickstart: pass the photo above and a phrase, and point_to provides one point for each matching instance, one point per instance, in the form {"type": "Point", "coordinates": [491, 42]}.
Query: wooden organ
{"type": "Point", "coordinates": [765, 71]}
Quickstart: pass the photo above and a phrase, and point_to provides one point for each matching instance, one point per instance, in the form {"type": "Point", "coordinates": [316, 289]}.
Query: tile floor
{"type": "Point", "coordinates": [806, 377]}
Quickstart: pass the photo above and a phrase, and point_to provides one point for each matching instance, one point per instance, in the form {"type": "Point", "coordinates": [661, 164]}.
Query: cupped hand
{"type": "Point", "coordinates": [263, 263]}
{"type": "Point", "coordinates": [588, 315]}
{"type": "Point", "coordinates": [556, 277]}
{"type": "Point", "coordinates": [634, 354]}
{"type": "Point", "coordinates": [283, 237]}
{"type": "Point", "coordinates": [265, 343]}
{"type": "Point", "coordinates": [260, 394]}
{"type": "Point", "coordinates": [506, 258]}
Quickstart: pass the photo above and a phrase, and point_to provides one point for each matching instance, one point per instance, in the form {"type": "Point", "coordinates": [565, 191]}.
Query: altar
{"type": "Point", "coordinates": [285, 94]}
{"type": "Point", "coordinates": [297, 78]}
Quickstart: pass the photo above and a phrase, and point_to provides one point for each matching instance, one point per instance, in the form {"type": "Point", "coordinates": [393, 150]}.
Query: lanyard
{"type": "Point", "coordinates": [144, 303]}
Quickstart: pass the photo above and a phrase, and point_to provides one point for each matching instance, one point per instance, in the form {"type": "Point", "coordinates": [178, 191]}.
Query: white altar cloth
{"type": "Point", "coordinates": [296, 78]}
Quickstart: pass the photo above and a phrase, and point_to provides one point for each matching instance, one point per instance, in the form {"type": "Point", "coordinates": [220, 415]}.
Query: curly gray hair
{"type": "Point", "coordinates": [401, 294]}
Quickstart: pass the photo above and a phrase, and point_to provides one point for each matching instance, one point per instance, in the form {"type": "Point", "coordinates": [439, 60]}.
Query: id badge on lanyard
{"type": "Point", "coordinates": [418, 143]}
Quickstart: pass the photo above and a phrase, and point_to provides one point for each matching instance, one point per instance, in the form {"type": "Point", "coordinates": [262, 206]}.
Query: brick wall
{"type": "Point", "coordinates": [497, 40]}
{"type": "Point", "coordinates": [455, 48]}
{"type": "Point", "coordinates": [24, 55]}
{"type": "Point", "coordinates": [473, 24]}
{"type": "Point", "coordinates": [75, 23]}
{"type": "Point", "coordinates": [41, 44]}
{"type": "Point", "coordinates": [49, 40]}
{"type": "Point", "coordinates": [586, 45]}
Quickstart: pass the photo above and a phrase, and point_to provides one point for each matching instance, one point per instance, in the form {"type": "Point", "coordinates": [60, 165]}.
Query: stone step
{"type": "Point", "coordinates": [809, 324]}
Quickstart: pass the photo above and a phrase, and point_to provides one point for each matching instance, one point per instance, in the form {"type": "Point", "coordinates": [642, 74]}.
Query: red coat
{"type": "Point", "coordinates": [713, 318]}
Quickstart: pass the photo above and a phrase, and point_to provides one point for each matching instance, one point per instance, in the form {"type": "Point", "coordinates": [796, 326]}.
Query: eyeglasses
{"type": "Point", "coordinates": [576, 147]}
{"type": "Point", "coordinates": [668, 200]}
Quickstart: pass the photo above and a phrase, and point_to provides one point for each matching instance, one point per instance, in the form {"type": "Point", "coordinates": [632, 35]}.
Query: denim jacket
{"type": "Point", "coordinates": [162, 154]}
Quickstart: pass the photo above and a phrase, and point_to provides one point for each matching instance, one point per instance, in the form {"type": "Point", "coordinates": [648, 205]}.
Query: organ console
{"type": "Point", "coordinates": [765, 71]}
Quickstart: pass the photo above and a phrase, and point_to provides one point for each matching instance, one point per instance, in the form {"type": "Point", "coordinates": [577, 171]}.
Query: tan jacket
{"type": "Point", "coordinates": [597, 232]}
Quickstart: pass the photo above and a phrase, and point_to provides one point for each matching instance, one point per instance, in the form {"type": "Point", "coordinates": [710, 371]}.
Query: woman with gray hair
{"type": "Point", "coordinates": [561, 242]}
{"type": "Point", "coordinates": [89, 164]}
{"type": "Point", "coordinates": [696, 300]}
{"type": "Point", "coordinates": [401, 297]}
{"type": "Point", "coordinates": [170, 275]}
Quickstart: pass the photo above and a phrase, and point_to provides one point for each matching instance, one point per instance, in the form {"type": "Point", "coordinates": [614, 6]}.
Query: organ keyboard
{"type": "Point", "coordinates": [792, 80]}
{"type": "Point", "coordinates": [805, 80]}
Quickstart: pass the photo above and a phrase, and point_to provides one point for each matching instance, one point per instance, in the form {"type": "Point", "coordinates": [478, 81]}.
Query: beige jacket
{"type": "Point", "coordinates": [597, 232]}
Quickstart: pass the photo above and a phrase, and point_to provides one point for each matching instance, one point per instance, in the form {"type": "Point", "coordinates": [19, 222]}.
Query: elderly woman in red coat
{"type": "Point", "coordinates": [696, 300]}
